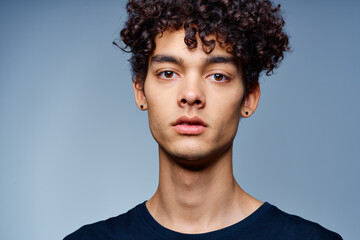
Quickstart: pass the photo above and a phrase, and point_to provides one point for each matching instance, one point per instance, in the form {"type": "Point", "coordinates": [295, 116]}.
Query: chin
{"type": "Point", "coordinates": [191, 157]}
{"type": "Point", "coordinates": [194, 156]}
{"type": "Point", "coordinates": [192, 150]}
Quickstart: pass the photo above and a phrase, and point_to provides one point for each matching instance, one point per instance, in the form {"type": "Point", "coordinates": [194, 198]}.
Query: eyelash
{"type": "Point", "coordinates": [224, 77]}
{"type": "Point", "coordinates": [161, 74]}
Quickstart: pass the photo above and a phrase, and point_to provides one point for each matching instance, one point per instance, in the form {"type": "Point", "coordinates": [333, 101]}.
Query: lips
{"type": "Point", "coordinates": [189, 125]}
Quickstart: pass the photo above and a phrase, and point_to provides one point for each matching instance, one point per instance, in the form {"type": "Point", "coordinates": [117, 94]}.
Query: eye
{"type": "Point", "coordinates": [167, 74]}
{"type": "Point", "coordinates": [218, 77]}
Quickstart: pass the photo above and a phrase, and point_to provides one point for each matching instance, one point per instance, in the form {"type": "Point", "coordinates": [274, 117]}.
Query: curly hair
{"type": "Point", "coordinates": [252, 28]}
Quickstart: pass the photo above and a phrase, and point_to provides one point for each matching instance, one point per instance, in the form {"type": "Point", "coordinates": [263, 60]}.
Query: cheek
{"type": "Point", "coordinates": [158, 114]}
{"type": "Point", "coordinates": [154, 114]}
{"type": "Point", "coordinates": [155, 124]}
{"type": "Point", "coordinates": [229, 114]}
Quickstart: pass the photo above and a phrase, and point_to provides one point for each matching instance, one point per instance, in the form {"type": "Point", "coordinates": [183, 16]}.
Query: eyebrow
{"type": "Point", "coordinates": [166, 59]}
{"type": "Point", "coordinates": [179, 61]}
{"type": "Point", "coordinates": [222, 59]}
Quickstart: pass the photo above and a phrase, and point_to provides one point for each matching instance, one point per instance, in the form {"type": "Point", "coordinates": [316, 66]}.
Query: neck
{"type": "Point", "coordinates": [200, 200]}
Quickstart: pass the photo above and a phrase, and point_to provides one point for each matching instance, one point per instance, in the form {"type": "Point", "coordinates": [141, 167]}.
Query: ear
{"type": "Point", "coordinates": [250, 102]}
{"type": "Point", "coordinates": [139, 93]}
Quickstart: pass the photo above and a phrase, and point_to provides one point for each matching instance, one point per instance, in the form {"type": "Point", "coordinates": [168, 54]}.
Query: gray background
{"type": "Point", "coordinates": [74, 148]}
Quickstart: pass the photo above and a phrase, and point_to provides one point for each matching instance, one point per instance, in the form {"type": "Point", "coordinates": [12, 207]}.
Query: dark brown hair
{"type": "Point", "coordinates": [252, 28]}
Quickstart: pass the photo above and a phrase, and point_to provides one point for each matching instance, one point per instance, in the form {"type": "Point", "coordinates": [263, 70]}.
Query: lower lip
{"type": "Point", "coordinates": [189, 129]}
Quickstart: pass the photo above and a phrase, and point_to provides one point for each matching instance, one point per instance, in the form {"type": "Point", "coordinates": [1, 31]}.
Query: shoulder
{"type": "Point", "coordinates": [296, 227]}
{"type": "Point", "coordinates": [112, 228]}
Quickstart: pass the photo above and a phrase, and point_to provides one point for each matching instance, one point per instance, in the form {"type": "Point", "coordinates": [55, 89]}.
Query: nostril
{"type": "Point", "coordinates": [197, 102]}
{"type": "Point", "coordinates": [183, 100]}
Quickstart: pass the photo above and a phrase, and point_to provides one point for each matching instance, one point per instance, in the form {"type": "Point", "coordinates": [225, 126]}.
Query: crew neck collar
{"type": "Point", "coordinates": [165, 233]}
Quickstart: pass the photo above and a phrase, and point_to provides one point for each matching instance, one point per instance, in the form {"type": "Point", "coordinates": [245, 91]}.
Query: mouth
{"type": "Point", "coordinates": [189, 125]}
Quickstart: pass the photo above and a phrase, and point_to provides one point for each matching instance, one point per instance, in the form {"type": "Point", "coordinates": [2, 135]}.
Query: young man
{"type": "Point", "coordinates": [196, 66]}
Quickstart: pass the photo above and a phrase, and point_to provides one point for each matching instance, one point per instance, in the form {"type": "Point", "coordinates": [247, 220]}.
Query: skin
{"type": "Point", "coordinates": [197, 191]}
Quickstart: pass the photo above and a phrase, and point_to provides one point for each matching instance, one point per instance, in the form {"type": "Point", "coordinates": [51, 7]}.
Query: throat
{"type": "Point", "coordinates": [194, 202]}
{"type": "Point", "coordinates": [198, 200]}
{"type": "Point", "coordinates": [196, 211]}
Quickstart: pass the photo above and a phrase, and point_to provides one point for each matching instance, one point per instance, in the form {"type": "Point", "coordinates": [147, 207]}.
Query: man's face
{"type": "Point", "coordinates": [194, 99]}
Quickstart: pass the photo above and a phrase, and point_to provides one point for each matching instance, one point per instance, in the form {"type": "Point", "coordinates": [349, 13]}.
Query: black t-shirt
{"type": "Point", "coordinates": [267, 222]}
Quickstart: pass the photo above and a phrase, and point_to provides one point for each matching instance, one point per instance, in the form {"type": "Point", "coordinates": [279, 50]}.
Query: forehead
{"type": "Point", "coordinates": [173, 42]}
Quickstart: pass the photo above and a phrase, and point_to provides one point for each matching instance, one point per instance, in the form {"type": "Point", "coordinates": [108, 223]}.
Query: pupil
{"type": "Point", "coordinates": [168, 74]}
{"type": "Point", "coordinates": [218, 76]}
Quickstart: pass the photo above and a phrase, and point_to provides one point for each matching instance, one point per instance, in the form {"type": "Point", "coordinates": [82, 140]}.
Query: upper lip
{"type": "Point", "coordinates": [190, 121]}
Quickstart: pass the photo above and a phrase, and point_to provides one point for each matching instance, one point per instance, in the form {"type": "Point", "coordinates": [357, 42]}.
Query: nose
{"type": "Point", "coordinates": [191, 94]}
